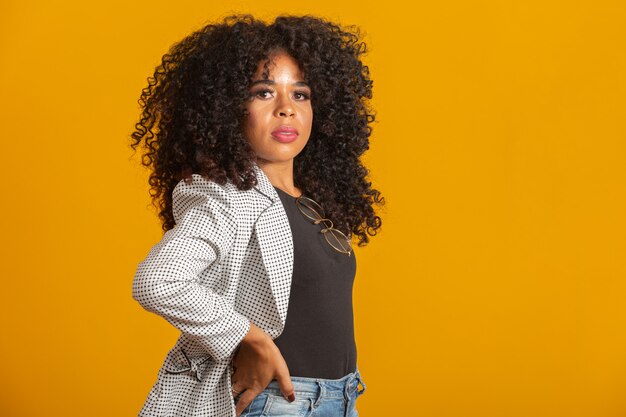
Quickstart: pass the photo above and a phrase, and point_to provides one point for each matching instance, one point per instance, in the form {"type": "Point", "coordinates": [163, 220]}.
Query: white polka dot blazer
{"type": "Point", "coordinates": [227, 261]}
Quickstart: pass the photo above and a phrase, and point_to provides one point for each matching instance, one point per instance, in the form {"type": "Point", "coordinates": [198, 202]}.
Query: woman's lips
{"type": "Point", "coordinates": [284, 137]}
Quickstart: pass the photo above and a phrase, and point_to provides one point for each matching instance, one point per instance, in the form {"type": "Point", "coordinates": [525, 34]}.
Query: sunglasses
{"type": "Point", "coordinates": [313, 211]}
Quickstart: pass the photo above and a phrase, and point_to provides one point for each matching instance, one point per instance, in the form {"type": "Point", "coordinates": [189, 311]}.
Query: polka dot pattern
{"type": "Point", "coordinates": [226, 263]}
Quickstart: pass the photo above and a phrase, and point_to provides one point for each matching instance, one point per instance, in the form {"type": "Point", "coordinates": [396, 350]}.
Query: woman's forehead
{"type": "Point", "coordinates": [280, 67]}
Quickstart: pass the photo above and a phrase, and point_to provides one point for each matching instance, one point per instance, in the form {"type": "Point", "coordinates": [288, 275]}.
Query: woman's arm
{"type": "Point", "coordinates": [166, 281]}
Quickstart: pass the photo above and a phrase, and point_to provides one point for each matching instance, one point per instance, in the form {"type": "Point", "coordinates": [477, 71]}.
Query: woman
{"type": "Point", "coordinates": [255, 164]}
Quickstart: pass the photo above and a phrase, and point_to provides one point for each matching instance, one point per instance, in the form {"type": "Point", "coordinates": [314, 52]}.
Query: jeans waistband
{"type": "Point", "coordinates": [321, 387]}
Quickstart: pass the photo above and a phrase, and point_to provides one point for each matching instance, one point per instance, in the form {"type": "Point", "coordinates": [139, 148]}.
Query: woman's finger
{"type": "Point", "coordinates": [245, 400]}
{"type": "Point", "coordinates": [237, 389]}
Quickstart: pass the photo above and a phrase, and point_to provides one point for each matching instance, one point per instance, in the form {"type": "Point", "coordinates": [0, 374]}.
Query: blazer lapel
{"type": "Point", "coordinates": [276, 242]}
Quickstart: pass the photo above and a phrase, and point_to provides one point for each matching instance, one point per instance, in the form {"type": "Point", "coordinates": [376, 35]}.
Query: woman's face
{"type": "Point", "coordinates": [280, 116]}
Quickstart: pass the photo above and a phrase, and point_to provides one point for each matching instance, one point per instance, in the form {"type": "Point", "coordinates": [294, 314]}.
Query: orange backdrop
{"type": "Point", "coordinates": [496, 287]}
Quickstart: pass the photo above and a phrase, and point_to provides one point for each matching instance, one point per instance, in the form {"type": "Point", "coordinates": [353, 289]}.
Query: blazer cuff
{"type": "Point", "coordinates": [224, 345]}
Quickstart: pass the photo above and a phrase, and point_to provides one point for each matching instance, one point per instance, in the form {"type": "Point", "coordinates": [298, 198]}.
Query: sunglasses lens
{"type": "Point", "coordinates": [337, 240]}
{"type": "Point", "coordinates": [310, 210]}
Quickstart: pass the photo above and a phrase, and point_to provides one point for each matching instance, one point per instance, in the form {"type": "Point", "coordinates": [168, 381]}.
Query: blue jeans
{"type": "Point", "coordinates": [315, 397]}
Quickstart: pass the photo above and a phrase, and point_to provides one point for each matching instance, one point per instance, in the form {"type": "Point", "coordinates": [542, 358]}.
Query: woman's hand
{"type": "Point", "coordinates": [257, 361]}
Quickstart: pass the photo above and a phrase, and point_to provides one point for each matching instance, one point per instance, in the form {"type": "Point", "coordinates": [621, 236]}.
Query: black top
{"type": "Point", "coordinates": [318, 339]}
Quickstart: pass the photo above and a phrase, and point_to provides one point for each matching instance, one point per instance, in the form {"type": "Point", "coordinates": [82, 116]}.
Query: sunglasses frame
{"type": "Point", "coordinates": [324, 220]}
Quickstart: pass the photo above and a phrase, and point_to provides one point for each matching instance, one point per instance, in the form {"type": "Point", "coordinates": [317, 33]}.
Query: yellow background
{"type": "Point", "coordinates": [496, 287]}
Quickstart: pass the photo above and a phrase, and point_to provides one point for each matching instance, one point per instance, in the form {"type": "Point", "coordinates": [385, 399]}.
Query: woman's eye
{"type": "Point", "coordinates": [302, 94]}
{"type": "Point", "coordinates": [261, 92]}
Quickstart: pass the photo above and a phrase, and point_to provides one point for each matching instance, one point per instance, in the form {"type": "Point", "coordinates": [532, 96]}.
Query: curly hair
{"type": "Point", "coordinates": [193, 114]}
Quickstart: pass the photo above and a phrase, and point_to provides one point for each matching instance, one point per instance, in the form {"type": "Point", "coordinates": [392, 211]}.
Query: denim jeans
{"type": "Point", "coordinates": [315, 397]}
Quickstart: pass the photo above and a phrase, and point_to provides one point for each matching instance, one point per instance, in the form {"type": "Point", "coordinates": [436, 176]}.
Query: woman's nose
{"type": "Point", "coordinates": [284, 108]}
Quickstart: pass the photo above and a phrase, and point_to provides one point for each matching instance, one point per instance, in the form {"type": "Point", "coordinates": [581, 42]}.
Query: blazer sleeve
{"type": "Point", "coordinates": [166, 281]}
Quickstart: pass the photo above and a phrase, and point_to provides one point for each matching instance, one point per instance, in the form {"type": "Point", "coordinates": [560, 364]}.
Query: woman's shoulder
{"type": "Point", "coordinates": [198, 187]}
{"type": "Point", "coordinates": [197, 183]}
